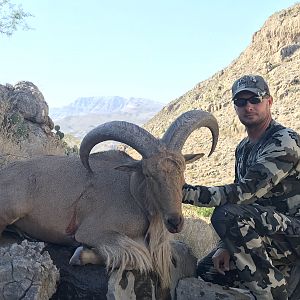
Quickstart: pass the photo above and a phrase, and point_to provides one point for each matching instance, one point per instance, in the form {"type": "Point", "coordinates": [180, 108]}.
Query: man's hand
{"type": "Point", "coordinates": [221, 260]}
{"type": "Point", "coordinates": [191, 194]}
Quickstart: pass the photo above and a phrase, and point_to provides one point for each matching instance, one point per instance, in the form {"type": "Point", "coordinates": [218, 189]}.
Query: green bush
{"type": "Point", "coordinates": [59, 133]}
{"type": "Point", "coordinates": [22, 131]}
{"type": "Point", "coordinates": [16, 126]}
{"type": "Point", "coordinates": [196, 211]}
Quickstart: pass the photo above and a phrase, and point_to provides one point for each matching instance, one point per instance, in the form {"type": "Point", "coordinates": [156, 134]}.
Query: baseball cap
{"type": "Point", "coordinates": [252, 83]}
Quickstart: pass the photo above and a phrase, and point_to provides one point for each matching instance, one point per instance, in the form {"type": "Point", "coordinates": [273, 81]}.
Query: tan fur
{"type": "Point", "coordinates": [160, 249]}
{"type": "Point", "coordinates": [128, 254]}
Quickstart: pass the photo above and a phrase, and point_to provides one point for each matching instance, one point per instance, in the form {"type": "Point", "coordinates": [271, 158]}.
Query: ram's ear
{"type": "Point", "coordinates": [130, 167]}
{"type": "Point", "coordinates": [189, 158]}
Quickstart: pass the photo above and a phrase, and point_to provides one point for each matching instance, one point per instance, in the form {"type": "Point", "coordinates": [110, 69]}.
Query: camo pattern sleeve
{"type": "Point", "coordinates": [267, 172]}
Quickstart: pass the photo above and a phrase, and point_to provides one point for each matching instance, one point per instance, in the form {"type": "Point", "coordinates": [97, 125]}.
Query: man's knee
{"type": "Point", "coordinates": [224, 217]}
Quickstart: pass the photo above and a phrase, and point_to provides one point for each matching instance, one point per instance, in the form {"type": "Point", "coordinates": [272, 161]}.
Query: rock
{"type": "Point", "coordinates": [29, 102]}
{"type": "Point", "coordinates": [77, 282]}
{"type": "Point", "coordinates": [25, 126]}
{"type": "Point", "coordinates": [30, 270]}
{"type": "Point", "coordinates": [288, 50]}
{"type": "Point", "coordinates": [133, 285]}
{"type": "Point", "coordinates": [184, 264]}
{"type": "Point", "coordinates": [85, 282]}
{"type": "Point", "coordinates": [26, 272]}
{"type": "Point", "coordinates": [195, 289]}
{"type": "Point", "coordinates": [197, 233]}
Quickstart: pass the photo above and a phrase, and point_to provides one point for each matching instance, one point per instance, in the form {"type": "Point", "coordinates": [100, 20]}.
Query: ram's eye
{"type": "Point", "coordinates": [149, 176]}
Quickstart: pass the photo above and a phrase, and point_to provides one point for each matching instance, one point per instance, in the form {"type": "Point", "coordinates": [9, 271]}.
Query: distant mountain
{"type": "Point", "coordinates": [85, 113]}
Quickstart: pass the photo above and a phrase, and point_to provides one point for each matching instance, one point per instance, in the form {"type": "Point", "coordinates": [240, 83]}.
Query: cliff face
{"type": "Point", "coordinates": [273, 53]}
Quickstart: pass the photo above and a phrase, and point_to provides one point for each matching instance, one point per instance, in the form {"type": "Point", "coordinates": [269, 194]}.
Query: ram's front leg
{"type": "Point", "coordinates": [113, 249]}
{"type": "Point", "coordinates": [10, 212]}
{"type": "Point", "coordinates": [84, 256]}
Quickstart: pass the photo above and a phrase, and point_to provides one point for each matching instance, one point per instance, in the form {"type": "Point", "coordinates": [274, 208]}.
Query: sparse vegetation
{"type": "Point", "coordinates": [71, 144]}
{"type": "Point", "coordinates": [195, 212]}
{"type": "Point", "coordinates": [14, 127]}
{"type": "Point", "coordinates": [69, 150]}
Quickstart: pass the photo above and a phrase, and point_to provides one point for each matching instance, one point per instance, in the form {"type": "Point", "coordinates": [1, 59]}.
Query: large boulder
{"type": "Point", "coordinates": [25, 125]}
{"type": "Point", "coordinates": [196, 289]}
{"type": "Point", "coordinates": [133, 285]}
{"type": "Point", "coordinates": [26, 98]}
{"type": "Point", "coordinates": [26, 272]}
{"type": "Point", "coordinates": [198, 233]}
{"type": "Point", "coordinates": [46, 263]}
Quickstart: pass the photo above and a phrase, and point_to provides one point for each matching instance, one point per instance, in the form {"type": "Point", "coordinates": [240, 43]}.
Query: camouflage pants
{"type": "Point", "coordinates": [264, 246]}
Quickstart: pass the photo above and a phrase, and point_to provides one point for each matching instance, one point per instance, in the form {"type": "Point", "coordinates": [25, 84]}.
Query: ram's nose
{"type": "Point", "coordinates": [174, 223]}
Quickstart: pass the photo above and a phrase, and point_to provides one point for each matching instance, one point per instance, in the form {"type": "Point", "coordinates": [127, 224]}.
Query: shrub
{"type": "Point", "coordinates": [59, 133]}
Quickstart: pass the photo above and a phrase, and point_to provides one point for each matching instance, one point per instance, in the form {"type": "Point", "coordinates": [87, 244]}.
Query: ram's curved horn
{"type": "Point", "coordinates": [185, 124]}
{"type": "Point", "coordinates": [132, 135]}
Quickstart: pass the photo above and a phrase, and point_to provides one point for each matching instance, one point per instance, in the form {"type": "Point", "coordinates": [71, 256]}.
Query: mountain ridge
{"type": "Point", "coordinates": [274, 53]}
{"type": "Point", "coordinates": [85, 113]}
{"type": "Point", "coordinates": [104, 105]}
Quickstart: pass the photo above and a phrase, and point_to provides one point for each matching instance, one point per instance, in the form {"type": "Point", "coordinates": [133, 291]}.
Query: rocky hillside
{"type": "Point", "coordinates": [273, 53]}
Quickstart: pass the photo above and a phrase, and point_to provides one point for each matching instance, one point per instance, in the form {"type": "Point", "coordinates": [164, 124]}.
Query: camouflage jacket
{"type": "Point", "coordinates": [266, 172]}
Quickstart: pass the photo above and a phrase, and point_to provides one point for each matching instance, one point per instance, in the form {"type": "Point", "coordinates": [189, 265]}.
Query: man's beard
{"type": "Point", "coordinates": [252, 124]}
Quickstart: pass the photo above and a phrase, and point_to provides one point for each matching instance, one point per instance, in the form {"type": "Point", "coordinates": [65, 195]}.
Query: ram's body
{"type": "Point", "coordinates": [51, 196]}
{"type": "Point", "coordinates": [120, 207]}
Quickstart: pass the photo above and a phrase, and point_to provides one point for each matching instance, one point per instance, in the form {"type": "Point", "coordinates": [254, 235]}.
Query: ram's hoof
{"type": "Point", "coordinates": [76, 258]}
{"type": "Point", "coordinates": [83, 256]}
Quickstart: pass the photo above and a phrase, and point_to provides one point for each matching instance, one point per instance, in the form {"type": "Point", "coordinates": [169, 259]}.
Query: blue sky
{"type": "Point", "coordinates": [156, 49]}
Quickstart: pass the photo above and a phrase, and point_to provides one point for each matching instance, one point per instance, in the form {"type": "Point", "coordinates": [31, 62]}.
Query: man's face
{"type": "Point", "coordinates": [252, 115]}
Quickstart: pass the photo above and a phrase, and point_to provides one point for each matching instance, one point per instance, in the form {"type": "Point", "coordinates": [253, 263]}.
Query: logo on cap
{"type": "Point", "coordinates": [249, 81]}
{"type": "Point", "coordinates": [252, 83]}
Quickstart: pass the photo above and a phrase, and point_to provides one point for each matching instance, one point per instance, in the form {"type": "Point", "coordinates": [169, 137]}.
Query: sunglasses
{"type": "Point", "coordinates": [240, 102]}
